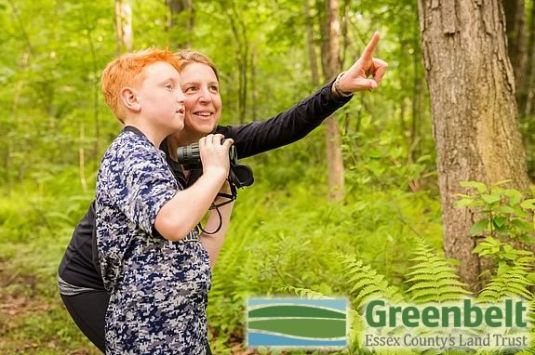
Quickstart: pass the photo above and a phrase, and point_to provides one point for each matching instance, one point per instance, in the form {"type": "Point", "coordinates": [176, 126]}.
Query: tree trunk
{"type": "Point", "coordinates": [516, 46]}
{"type": "Point", "coordinates": [416, 107]}
{"type": "Point", "coordinates": [528, 108]}
{"type": "Point", "coordinates": [529, 89]}
{"type": "Point", "coordinates": [81, 157]}
{"type": "Point", "coordinates": [239, 31]}
{"type": "Point", "coordinates": [96, 88]}
{"type": "Point", "coordinates": [254, 93]}
{"type": "Point", "coordinates": [331, 67]}
{"type": "Point", "coordinates": [123, 26]}
{"type": "Point", "coordinates": [311, 48]}
{"type": "Point", "coordinates": [471, 84]}
{"type": "Point", "coordinates": [180, 22]}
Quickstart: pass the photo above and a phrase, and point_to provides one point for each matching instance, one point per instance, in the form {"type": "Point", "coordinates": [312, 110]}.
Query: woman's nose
{"type": "Point", "coordinates": [205, 95]}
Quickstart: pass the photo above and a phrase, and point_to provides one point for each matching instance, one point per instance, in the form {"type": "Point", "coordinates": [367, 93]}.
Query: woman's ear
{"type": "Point", "coordinates": [130, 99]}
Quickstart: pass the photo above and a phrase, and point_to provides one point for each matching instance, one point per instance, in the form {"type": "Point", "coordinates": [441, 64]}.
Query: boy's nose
{"type": "Point", "coordinates": [180, 97]}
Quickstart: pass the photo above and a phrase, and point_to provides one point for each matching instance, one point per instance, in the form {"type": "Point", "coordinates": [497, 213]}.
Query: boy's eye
{"type": "Point", "coordinates": [169, 87]}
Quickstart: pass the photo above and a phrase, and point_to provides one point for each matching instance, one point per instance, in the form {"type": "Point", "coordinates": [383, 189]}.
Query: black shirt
{"type": "Point", "coordinates": [80, 266]}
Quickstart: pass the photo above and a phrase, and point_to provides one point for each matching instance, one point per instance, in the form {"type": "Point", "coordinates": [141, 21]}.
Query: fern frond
{"type": "Point", "coordinates": [439, 269]}
{"type": "Point", "coordinates": [433, 278]}
{"type": "Point", "coordinates": [368, 284]}
{"type": "Point", "coordinates": [511, 281]}
{"type": "Point", "coordinates": [305, 292]}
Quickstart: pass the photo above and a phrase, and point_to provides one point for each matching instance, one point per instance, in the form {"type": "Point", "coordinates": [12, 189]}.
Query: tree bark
{"type": "Point", "coordinates": [239, 30]}
{"type": "Point", "coordinates": [81, 157]}
{"type": "Point", "coordinates": [254, 92]}
{"type": "Point", "coordinates": [530, 72]}
{"type": "Point", "coordinates": [123, 26]}
{"type": "Point", "coordinates": [311, 48]}
{"type": "Point", "coordinates": [96, 88]}
{"type": "Point", "coordinates": [416, 106]}
{"type": "Point", "coordinates": [528, 108]}
{"type": "Point", "coordinates": [516, 46]}
{"type": "Point", "coordinates": [331, 67]}
{"type": "Point", "coordinates": [471, 84]}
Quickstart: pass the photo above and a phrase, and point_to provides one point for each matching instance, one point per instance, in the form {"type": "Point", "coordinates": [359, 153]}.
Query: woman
{"type": "Point", "coordinates": [79, 277]}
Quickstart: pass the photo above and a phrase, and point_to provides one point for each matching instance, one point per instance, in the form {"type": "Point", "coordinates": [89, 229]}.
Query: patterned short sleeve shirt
{"type": "Point", "coordinates": [158, 288]}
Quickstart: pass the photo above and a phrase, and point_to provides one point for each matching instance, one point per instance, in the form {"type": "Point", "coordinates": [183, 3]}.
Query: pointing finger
{"type": "Point", "coordinates": [370, 48]}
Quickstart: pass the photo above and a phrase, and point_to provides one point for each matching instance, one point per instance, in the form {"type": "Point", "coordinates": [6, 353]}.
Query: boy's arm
{"type": "Point", "coordinates": [182, 213]}
{"type": "Point", "coordinates": [178, 216]}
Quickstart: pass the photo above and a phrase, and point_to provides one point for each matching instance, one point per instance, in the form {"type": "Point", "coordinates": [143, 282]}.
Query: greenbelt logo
{"type": "Point", "coordinates": [295, 322]}
{"type": "Point", "coordinates": [465, 315]}
{"type": "Point", "coordinates": [463, 324]}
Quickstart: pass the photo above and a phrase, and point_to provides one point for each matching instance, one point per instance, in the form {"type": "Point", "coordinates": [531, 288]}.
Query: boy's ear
{"type": "Point", "coordinates": [130, 99]}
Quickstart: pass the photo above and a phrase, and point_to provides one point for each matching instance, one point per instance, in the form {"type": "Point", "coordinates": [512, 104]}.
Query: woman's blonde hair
{"type": "Point", "coordinates": [188, 56]}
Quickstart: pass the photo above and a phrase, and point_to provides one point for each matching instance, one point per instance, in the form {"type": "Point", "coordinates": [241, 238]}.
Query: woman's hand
{"type": "Point", "coordinates": [365, 74]}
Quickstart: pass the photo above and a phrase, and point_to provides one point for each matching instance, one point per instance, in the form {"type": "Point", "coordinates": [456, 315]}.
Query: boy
{"type": "Point", "coordinates": [149, 252]}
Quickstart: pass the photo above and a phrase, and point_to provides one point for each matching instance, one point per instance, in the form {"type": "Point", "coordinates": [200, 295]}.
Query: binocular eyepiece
{"type": "Point", "coordinates": [240, 175]}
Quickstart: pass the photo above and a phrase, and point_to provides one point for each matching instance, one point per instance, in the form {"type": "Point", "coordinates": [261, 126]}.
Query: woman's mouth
{"type": "Point", "coordinates": [204, 114]}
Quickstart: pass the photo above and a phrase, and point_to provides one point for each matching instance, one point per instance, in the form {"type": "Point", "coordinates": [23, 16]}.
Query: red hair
{"type": "Point", "coordinates": [128, 71]}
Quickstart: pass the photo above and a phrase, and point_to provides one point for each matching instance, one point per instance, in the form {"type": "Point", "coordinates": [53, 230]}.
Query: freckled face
{"type": "Point", "coordinates": [203, 101]}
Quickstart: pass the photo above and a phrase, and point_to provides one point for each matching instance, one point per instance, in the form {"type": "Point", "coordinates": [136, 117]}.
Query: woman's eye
{"type": "Point", "coordinates": [214, 88]}
{"type": "Point", "coordinates": [190, 90]}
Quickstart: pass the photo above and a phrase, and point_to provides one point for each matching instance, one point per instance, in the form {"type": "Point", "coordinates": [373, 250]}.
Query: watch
{"type": "Point", "coordinates": [336, 90]}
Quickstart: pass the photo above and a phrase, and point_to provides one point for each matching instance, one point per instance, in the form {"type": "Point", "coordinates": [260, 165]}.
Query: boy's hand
{"type": "Point", "coordinates": [214, 151]}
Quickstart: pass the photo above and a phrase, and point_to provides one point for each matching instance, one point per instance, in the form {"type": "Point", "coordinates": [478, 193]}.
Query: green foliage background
{"type": "Point", "coordinates": [285, 238]}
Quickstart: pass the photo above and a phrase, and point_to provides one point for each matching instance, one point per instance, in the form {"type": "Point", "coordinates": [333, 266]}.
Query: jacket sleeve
{"type": "Point", "coordinates": [286, 127]}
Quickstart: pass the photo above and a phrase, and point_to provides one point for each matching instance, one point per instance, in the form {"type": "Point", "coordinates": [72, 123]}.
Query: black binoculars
{"type": "Point", "coordinates": [240, 175]}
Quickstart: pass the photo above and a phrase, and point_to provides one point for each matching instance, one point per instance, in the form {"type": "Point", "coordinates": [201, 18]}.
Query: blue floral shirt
{"type": "Point", "coordinates": [158, 288]}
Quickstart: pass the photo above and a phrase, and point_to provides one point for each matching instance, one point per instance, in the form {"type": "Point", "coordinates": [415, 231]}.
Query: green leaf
{"type": "Point", "coordinates": [499, 221]}
{"type": "Point", "coordinates": [522, 225]}
{"type": "Point", "coordinates": [506, 209]}
{"type": "Point", "coordinates": [479, 186]}
{"type": "Point", "coordinates": [479, 249]}
{"type": "Point", "coordinates": [527, 239]}
{"type": "Point", "coordinates": [423, 158]}
{"type": "Point", "coordinates": [514, 196]}
{"type": "Point", "coordinates": [479, 227]}
{"type": "Point", "coordinates": [528, 204]}
{"type": "Point", "coordinates": [490, 198]}
{"type": "Point", "coordinates": [531, 278]}
{"type": "Point", "coordinates": [465, 202]}
{"type": "Point", "coordinates": [375, 154]}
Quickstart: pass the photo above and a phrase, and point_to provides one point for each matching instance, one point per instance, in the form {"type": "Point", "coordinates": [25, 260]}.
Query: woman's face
{"type": "Point", "coordinates": [203, 102]}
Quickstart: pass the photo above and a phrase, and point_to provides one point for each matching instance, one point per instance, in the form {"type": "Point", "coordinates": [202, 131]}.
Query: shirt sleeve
{"type": "Point", "coordinates": [143, 186]}
{"type": "Point", "coordinates": [286, 127]}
